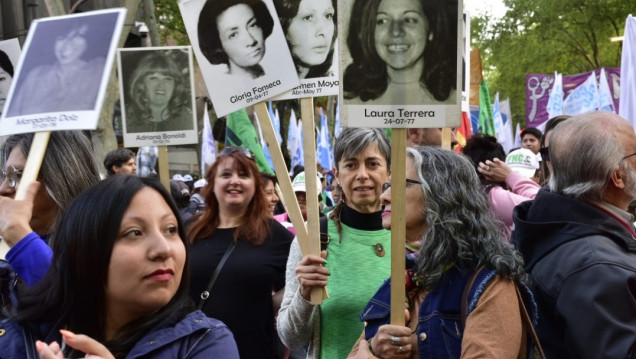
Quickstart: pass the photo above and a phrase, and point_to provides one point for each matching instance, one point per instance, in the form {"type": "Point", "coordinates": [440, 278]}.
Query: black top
{"type": "Point", "coordinates": [242, 294]}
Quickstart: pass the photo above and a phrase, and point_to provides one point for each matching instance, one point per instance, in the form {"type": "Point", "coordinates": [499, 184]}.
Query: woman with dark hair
{"type": "Point", "coordinates": [233, 32]}
{"type": "Point", "coordinates": [403, 52]}
{"type": "Point", "coordinates": [358, 253]}
{"type": "Point", "coordinates": [451, 239]}
{"type": "Point", "coordinates": [159, 96]}
{"type": "Point", "coordinates": [504, 187]}
{"type": "Point", "coordinates": [236, 225]}
{"type": "Point", "coordinates": [269, 186]}
{"type": "Point", "coordinates": [6, 76]}
{"type": "Point", "coordinates": [310, 30]}
{"type": "Point", "coordinates": [119, 279]}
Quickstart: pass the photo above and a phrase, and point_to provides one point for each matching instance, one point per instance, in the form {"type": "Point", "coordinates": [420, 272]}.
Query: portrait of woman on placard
{"type": "Point", "coordinates": [63, 65]}
{"type": "Point", "coordinates": [6, 76]}
{"type": "Point", "coordinates": [233, 33]}
{"type": "Point", "coordinates": [159, 95]}
{"type": "Point", "coordinates": [403, 52]}
{"type": "Point", "coordinates": [310, 30]}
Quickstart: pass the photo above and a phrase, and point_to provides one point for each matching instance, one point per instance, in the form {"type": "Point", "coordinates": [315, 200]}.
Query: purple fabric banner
{"type": "Point", "coordinates": [538, 88]}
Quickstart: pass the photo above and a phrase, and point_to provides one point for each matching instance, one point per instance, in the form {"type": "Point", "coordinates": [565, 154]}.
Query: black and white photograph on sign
{"type": "Point", "coordinates": [62, 75]}
{"type": "Point", "coordinates": [241, 50]}
{"type": "Point", "coordinates": [400, 55]}
{"type": "Point", "coordinates": [311, 32]}
{"type": "Point", "coordinates": [157, 96]}
{"type": "Point", "coordinates": [9, 55]}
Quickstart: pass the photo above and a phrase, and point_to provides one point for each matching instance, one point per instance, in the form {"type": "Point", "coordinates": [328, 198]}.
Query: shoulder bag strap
{"type": "Point", "coordinates": [527, 323]}
{"type": "Point", "coordinates": [29, 343]}
{"type": "Point", "coordinates": [206, 293]}
{"type": "Point", "coordinates": [469, 285]}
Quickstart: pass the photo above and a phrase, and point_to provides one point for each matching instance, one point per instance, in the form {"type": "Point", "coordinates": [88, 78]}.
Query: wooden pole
{"type": "Point", "coordinates": [33, 163]}
{"type": "Point", "coordinates": [311, 185]}
{"type": "Point", "coordinates": [283, 180]}
{"type": "Point", "coordinates": [446, 138]}
{"type": "Point", "coordinates": [398, 224]}
{"type": "Point", "coordinates": [164, 174]}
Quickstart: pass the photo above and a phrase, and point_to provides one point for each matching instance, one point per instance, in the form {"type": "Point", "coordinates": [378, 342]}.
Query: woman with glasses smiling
{"type": "Point", "coordinates": [236, 233]}
{"type": "Point", "coordinates": [451, 239]}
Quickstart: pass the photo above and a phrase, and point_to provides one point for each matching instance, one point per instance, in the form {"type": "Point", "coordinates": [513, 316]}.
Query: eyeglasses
{"type": "Point", "coordinates": [242, 150]}
{"type": "Point", "coordinates": [13, 175]}
{"type": "Point", "coordinates": [545, 153]}
{"type": "Point", "coordinates": [628, 156]}
{"type": "Point", "coordinates": [387, 185]}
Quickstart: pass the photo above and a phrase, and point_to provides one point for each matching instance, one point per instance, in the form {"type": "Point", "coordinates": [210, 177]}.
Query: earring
{"type": "Point", "coordinates": [430, 37]}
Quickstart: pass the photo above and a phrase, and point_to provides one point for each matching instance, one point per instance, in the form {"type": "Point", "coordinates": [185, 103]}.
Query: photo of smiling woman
{"type": "Point", "coordinates": [403, 52]}
{"type": "Point", "coordinates": [157, 90]}
{"type": "Point", "coordinates": [310, 30]}
{"type": "Point", "coordinates": [63, 67]}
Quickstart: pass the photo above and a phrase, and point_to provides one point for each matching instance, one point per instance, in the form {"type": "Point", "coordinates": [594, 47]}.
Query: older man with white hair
{"type": "Point", "coordinates": [578, 240]}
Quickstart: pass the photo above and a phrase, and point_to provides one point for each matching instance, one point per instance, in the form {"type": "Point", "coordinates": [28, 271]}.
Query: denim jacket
{"type": "Point", "coordinates": [439, 328]}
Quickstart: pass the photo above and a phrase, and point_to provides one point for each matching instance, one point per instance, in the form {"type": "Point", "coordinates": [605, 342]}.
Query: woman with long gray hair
{"type": "Point", "coordinates": [68, 168]}
{"type": "Point", "coordinates": [452, 238]}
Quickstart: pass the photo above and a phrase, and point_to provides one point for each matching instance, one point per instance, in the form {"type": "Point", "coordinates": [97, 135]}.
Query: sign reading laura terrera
{"type": "Point", "coordinates": [403, 116]}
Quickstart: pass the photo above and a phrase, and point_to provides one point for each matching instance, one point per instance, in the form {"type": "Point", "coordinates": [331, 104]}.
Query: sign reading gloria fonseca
{"type": "Point", "coordinates": [61, 79]}
{"type": "Point", "coordinates": [400, 63]}
{"type": "Point", "coordinates": [241, 50]}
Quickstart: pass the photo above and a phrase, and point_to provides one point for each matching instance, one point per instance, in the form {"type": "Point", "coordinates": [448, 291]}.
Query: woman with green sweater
{"type": "Point", "coordinates": [357, 258]}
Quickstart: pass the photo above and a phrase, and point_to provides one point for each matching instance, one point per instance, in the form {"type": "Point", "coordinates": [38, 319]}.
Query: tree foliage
{"type": "Point", "coordinates": [543, 36]}
{"type": "Point", "coordinates": [171, 26]}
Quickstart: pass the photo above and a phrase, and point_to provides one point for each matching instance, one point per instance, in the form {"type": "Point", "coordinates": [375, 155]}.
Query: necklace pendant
{"type": "Point", "coordinates": [379, 249]}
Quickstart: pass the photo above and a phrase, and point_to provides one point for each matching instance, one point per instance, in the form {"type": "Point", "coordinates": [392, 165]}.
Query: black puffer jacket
{"type": "Point", "coordinates": [582, 264]}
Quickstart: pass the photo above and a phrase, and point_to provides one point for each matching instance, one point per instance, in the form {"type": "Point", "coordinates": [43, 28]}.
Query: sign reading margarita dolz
{"type": "Point", "coordinates": [62, 76]}
{"type": "Point", "coordinates": [241, 50]}
{"type": "Point", "coordinates": [400, 63]}
{"type": "Point", "coordinates": [157, 96]}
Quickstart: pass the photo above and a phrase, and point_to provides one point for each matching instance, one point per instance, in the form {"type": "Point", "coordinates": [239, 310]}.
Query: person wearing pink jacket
{"type": "Point", "coordinates": [507, 184]}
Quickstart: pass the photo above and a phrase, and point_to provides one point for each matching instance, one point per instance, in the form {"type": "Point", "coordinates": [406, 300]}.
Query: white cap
{"type": "Point", "coordinates": [200, 183]}
{"type": "Point", "coordinates": [177, 177]}
{"type": "Point", "coordinates": [523, 161]}
{"type": "Point", "coordinates": [298, 184]}
{"type": "Point", "coordinates": [187, 178]}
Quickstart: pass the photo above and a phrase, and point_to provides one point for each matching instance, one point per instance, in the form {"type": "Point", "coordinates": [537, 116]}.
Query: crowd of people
{"type": "Point", "coordinates": [498, 265]}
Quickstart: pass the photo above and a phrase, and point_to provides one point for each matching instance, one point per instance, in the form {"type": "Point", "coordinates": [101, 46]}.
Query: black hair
{"type": "Point", "coordinates": [117, 157]}
{"type": "Point", "coordinates": [531, 131]}
{"type": "Point", "coordinates": [208, 31]}
{"type": "Point", "coordinates": [287, 10]}
{"type": "Point", "coordinates": [5, 63]}
{"type": "Point", "coordinates": [481, 147]}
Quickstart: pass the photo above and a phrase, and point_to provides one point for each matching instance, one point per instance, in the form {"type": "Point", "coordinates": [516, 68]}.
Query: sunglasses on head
{"type": "Point", "coordinates": [242, 150]}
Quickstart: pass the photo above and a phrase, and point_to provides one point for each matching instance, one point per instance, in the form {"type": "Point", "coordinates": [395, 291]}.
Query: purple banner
{"type": "Point", "coordinates": [538, 88]}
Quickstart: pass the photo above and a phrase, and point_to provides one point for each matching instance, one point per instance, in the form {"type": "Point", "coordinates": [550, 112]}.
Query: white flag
{"type": "Point", "coordinates": [627, 104]}
{"type": "Point", "coordinates": [583, 98]}
{"type": "Point", "coordinates": [208, 147]}
{"type": "Point", "coordinates": [555, 101]}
